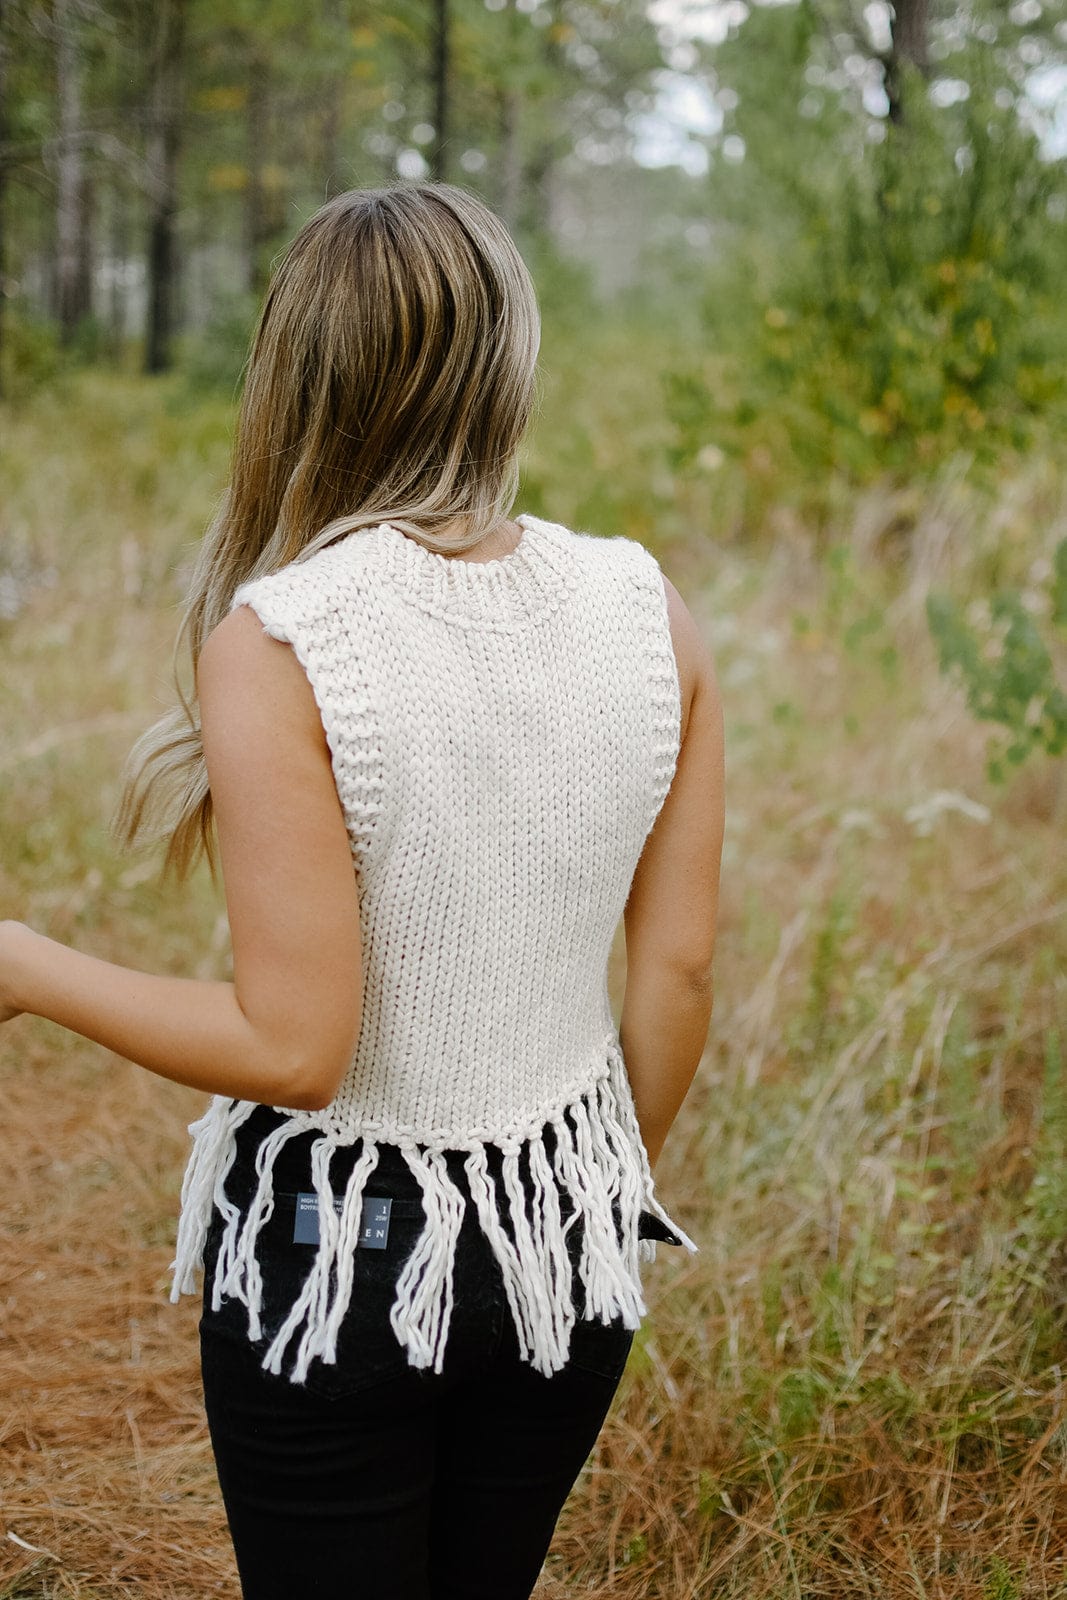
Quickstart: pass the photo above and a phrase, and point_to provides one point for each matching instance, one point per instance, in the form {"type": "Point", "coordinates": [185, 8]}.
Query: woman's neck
{"type": "Point", "coordinates": [499, 540]}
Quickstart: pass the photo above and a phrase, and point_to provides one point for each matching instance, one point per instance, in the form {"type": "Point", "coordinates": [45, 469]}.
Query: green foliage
{"type": "Point", "coordinates": [885, 296]}
{"type": "Point", "coordinates": [822, 1012]}
{"type": "Point", "coordinates": [1006, 667]}
{"type": "Point", "coordinates": [283, 105]}
{"type": "Point", "coordinates": [213, 359]}
{"type": "Point", "coordinates": [1000, 1582]}
{"type": "Point", "coordinates": [1046, 1206]}
{"type": "Point", "coordinates": [30, 354]}
{"type": "Point", "coordinates": [90, 342]}
{"type": "Point", "coordinates": [856, 611]}
{"type": "Point", "coordinates": [635, 1550]}
{"type": "Point", "coordinates": [804, 1394]}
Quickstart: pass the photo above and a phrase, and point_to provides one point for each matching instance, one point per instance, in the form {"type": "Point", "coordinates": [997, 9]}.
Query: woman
{"type": "Point", "coordinates": [442, 752]}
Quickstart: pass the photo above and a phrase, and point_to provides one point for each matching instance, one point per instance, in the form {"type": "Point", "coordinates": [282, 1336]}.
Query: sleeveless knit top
{"type": "Point", "coordinates": [502, 735]}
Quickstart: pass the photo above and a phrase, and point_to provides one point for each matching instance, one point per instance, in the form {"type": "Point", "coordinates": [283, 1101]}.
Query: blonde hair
{"type": "Point", "coordinates": [391, 379]}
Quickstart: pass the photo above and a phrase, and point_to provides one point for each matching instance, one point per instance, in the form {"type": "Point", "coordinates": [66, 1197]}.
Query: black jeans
{"type": "Point", "coordinates": [376, 1480]}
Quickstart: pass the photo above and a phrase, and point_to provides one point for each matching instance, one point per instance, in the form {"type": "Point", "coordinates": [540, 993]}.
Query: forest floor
{"type": "Point", "coordinates": [858, 1387]}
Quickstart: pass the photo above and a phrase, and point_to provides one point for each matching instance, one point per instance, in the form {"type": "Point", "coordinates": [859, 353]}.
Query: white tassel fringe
{"type": "Point", "coordinates": [598, 1159]}
{"type": "Point", "coordinates": [422, 1310]}
{"type": "Point", "coordinates": [202, 1186]}
{"type": "Point", "coordinates": [338, 1237]}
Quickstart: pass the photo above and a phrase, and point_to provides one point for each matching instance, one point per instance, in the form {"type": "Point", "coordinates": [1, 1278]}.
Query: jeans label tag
{"type": "Point", "coordinates": [373, 1228]}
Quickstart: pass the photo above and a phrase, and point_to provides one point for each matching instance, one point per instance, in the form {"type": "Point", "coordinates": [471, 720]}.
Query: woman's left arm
{"type": "Point", "coordinates": [284, 1031]}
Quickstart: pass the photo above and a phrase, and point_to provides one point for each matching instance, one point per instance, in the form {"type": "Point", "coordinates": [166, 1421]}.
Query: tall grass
{"type": "Point", "coordinates": [857, 1388]}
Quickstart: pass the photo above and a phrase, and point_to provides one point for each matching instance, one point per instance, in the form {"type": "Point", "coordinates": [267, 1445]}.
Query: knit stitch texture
{"type": "Point", "coordinates": [503, 735]}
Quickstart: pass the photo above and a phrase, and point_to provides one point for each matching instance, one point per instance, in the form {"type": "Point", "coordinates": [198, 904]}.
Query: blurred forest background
{"type": "Point", "coordinates": [803, 272]}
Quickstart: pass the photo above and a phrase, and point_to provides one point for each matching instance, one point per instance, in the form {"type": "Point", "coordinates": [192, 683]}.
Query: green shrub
{"type": "Point", "coordinates": [212, 359]}
{"type": "Point", "coordinates": [1006, 668]}
{"type": "Point", "coordinates": [29, 356]}
{"type": "Point", "coordinates": [884, 298]}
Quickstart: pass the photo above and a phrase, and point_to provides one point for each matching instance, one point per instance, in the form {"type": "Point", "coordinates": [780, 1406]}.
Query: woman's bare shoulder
{"type": "Point", "coordinates": [696, 668]}
{"type": "Point", "coordinates": [245, 667]}
{"type": "Point", "coordinates": [238, 641]}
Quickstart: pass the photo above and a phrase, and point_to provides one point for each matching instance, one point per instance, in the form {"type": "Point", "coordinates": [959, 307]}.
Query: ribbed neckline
{"type": "Point", "coordinates": [504, 593]}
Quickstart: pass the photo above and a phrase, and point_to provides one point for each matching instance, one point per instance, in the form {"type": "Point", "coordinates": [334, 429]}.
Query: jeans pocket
{"type": "Point", "coordinates": [368, 1350]}
{"type": "Point", "coordinates": [236, 1380]}
{"type": "Point", "coordinates": [601, 1347]}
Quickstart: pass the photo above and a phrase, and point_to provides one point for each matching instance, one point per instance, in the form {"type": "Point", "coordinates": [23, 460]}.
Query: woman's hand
{"type": "Point", "coordinates": [10, 934]}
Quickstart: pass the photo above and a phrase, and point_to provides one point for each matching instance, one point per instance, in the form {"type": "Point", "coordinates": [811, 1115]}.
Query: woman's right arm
{"type": "Point", "coordinates": [284, 1030]}
{"type": "Point", "coordinates": [671, 911]}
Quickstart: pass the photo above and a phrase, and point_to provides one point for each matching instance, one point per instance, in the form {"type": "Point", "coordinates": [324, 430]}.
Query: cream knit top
{"type": "Point", "coordinates": [503, 735]}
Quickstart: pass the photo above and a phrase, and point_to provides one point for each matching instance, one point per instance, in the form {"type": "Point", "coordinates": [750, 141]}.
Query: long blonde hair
{"type": "Point", "coordinates": [391, 379]}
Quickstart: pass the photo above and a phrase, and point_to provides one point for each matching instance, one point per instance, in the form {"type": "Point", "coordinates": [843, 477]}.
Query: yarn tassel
{"type": "Point", "coordinates": [238, 1273]}
{"type": "Point", "coordinates": [629, 1131]}
{"type": "Point", "coordinates": [422, 1309]}
{"type": "Point", "coordinates": [592, 1162]}
{"type": "Point", "coordinates": [483, 1193]}
{"type": "Point", "coordinates": [541, 1249]}
{"type": "Point", "coordinates": [598, 1158]}
{"type": "Point", "coordinates": [349, 1226]}
{"type": "Point", "coordinates": [338, 1239]}
{"type": "Point", "coordinates": [589, 1169]}
{"type": "Point", "coordinates": [550, 1243]}
{"type": "Point", "coordinates": [203, 1186]}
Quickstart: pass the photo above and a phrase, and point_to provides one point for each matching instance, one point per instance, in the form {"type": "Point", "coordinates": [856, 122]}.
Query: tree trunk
{"type": "Point", "coordinates": [163, 149]}
{"type": "Point", "coordinates": [510, 190]}
{"type": "Point", "coordinates": [256, 230]}
{"type": "Point", "coordinates": [71, 277]}
{"type": "Point", "coordinates": [510, 158]}
{"type": "Point", "coordinates": [119, 249]}
{"type": "Point", "coordinates": [83, 279]}
{"type": "Point", "coordinates": [440, 91]}
{"type": "Point", "coordinates": [329, 176]}
{"type": "Point", "coordinates": [541, 163]}
{"type": "Point", "coordinates": [908, 49]}
{"type": "Point", "coordinates": [4, 15]}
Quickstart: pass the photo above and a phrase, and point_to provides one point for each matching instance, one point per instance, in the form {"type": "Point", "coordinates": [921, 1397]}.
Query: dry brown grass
{"type": "Point", "coordinates": [859, 1387]}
